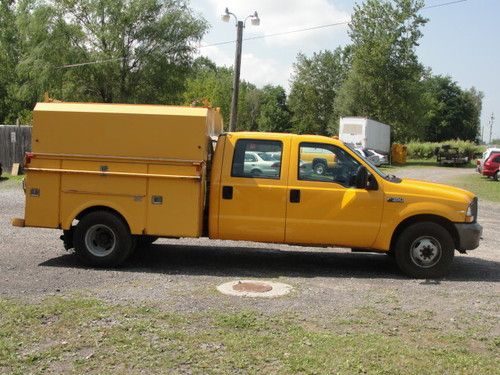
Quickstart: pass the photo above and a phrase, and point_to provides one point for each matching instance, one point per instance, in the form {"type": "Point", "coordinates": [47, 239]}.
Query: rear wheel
{"type": "Point", "coordinates": [101, 239]}
{"type": "Point", "coordinates": [424, 250]}
{"type": "Point", "coordinates": [496, 176]}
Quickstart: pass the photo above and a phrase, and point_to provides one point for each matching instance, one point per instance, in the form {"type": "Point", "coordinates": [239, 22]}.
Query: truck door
{"type": "Point", "coordinates": [253, 189]}
{"type": "Point", "coordinates": [322, 206]}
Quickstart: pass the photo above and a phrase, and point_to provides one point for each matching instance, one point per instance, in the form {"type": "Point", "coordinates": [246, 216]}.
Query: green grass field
{"type": "Point", "coordinates": [79, 335]}
{"type": "Point", "coordinates": [484, 188]}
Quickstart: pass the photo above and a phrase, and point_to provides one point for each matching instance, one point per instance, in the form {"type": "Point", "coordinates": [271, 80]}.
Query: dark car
{"type": "Point", "coordinates": [491, 166]}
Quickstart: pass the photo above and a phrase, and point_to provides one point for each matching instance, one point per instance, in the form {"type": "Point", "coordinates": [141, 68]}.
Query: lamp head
{"type": "Point", "coordinates": [255, 19]}
{"type": "Point", "coordinates": [226, 16]}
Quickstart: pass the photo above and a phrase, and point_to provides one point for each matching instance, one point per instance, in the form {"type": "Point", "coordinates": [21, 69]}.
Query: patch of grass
{"type": "Point", "coordinates": [9, 177]}
{"type": "Point", "coordinates": [483, 187]}
{"type": "Point", "coordinates": [78, 335]}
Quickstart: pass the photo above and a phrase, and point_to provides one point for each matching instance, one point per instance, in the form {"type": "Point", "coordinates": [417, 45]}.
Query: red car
{"type": "Point", "coordinates": [492, 165]}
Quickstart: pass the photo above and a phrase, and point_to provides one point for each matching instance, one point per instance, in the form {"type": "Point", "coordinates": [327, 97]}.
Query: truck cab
{"type": "Point", "coordinates": [351, 203]}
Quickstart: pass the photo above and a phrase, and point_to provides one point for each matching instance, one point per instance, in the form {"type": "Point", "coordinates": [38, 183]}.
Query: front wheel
{"type": "Point", "coordinates": [424, 251]}
{"type": "Point", "coordinates": [102, 239]}
{"type": "Point", "coordinates": [496, 176]}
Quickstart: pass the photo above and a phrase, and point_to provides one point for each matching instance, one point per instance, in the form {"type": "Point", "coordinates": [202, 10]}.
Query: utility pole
{"type": "Point", "coordinates": [236, 79]}
{"type": "Point", "coordinates": [240, 25]}
{"type": "Point", "coordinates": [492, 118]}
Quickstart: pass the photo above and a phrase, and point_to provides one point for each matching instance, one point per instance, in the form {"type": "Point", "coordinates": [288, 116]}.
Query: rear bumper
{"type": "Point", "coordinates": [16, 222]}
{"type": "Point", "coordinates": [469, 235]}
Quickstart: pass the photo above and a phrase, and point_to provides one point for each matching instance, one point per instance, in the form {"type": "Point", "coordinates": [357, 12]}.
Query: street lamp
{"type": "Point", "coordinates": [255, 20]}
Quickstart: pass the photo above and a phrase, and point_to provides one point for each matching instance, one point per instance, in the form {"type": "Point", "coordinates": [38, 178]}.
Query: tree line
{"type": "Point", "coordinates": [144, 52]}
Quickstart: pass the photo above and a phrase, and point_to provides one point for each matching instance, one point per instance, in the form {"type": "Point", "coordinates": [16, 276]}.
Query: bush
{"type": "Point", "coordinates": [425, 150]}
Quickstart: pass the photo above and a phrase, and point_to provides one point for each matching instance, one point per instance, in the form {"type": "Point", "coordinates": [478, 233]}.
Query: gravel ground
{"type": "Point", "coordinates": [182, 275]}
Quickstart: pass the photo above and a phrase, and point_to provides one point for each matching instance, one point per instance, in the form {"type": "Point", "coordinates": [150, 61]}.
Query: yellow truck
{"type": "Point", "coordinates": [115, 177]}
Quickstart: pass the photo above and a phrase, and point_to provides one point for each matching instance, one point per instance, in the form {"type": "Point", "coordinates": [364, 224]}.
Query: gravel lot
{"type": "Point", "coordinates": [182, 275]}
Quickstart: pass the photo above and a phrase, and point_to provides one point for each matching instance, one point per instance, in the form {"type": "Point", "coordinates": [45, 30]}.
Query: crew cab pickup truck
{"type": "Point", "coordinates": [114, 177]}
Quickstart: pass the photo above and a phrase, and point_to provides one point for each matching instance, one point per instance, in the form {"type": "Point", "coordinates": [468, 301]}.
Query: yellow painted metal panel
{"type": "Point", "coordinates": [174, 207]}
{"type": "Point", "coordinates": [124, 130]}
{"type": "Point", "coordinates": [329, 213]}
{"type": "Point", "coordinates": [102, 184]}
{"type": "Point", "coordinates": [127, 193]}
{"type": "Point", "coordinates": [42, 209]}
{"type": "Point", "coordinates": [147, 109]}
{"type": "Point", "coordinates": [132, 209]}
{"type": "Point", "coordinates": [258, 207]}
{"type": "Point", "coordinates": [215, 188]}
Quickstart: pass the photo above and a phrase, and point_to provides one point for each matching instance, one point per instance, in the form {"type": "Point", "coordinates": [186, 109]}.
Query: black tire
{"type": "Point", "coordinates": [496, 176]}
{"type": "Point", "coordinates": [424, 251]}
{"type": "Point", "coordinates": [103, 239]}
{"type": "Point", "coordinates": [256, 173]}
{"type": "Point", "coordinates": [320, 168]}
{"type": "Point", "coordinates": [145, 241]}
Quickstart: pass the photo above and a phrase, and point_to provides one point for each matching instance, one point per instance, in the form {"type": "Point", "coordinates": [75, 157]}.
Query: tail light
{"type": "Point", "coordinates": [276, 165]}
{"type": "Point", "coordinates": [27, 158]}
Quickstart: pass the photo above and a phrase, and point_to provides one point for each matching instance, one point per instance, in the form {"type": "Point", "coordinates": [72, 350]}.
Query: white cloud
{"type": "Point", "coordinates": [254, 69]}
{"type": "Point", "coordinates": [284, 16]}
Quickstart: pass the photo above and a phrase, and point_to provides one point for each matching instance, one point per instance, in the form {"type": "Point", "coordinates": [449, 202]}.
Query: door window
{"type": "Point", "coordinates": [257, 159]}
{"type": "Point", "coordinates": [327, 163]}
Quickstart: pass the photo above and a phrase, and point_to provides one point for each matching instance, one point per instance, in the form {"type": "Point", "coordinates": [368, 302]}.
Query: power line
{"type": "Point", "coordinates": [263, 36]}
{"type": "Point", "coordinates": [444, 4]}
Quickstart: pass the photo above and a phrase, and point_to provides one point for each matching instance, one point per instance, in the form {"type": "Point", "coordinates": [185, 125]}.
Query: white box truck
{"type": "Point", "coordinates": [365, 133]}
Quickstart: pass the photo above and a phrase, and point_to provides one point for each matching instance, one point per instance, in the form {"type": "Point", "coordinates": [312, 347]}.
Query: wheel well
{"type": "Point", "coordinates": [445, 223]}
{"type": "Point", "coordinates": [101, 208]}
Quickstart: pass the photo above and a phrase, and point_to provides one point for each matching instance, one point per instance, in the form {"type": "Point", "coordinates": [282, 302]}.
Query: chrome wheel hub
{"type": "Point", "coordinates": [100, 240]}
{"type": "Point", "coordinates": [425, 251]}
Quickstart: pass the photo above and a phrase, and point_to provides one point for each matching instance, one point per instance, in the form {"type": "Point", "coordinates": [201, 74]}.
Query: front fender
{"type": "Point", "coordinates": [394, 214]}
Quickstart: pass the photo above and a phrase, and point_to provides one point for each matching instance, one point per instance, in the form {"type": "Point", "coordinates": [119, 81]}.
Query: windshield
{"type": "Point", "coordinates": [388, 177]}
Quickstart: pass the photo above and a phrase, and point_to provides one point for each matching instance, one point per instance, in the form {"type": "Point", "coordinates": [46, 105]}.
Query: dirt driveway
{"type": "Point", "coordinates": [182, 275]}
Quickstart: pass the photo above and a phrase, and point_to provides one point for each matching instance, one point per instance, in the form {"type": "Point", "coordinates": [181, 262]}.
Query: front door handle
{"type": "Point", "coordinates": [294, 196]}
{"type": "Point", "coordinates": [227, 192]}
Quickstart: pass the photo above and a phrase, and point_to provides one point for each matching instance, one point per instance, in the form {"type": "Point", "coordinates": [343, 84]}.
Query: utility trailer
{"type": "Point", "coordinates": [365, 133]}
{"type": "Point", "coordinates": [448, 155]}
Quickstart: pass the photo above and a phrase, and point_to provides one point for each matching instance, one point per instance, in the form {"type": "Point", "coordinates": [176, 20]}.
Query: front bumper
{"type": "Point", "coordinates": [469, 235]}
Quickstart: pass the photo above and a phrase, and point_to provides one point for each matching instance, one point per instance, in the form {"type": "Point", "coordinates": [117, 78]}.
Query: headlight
{"type": "Point", "coordinates": [471, 214]}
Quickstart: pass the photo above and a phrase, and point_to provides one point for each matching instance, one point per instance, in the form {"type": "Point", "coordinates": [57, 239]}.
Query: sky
{"type": "Point", "coordinates": [461, 40]}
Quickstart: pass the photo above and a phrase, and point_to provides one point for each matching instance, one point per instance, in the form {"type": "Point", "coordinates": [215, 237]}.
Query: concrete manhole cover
{"type": "Point", "coordinates": [254, 288]}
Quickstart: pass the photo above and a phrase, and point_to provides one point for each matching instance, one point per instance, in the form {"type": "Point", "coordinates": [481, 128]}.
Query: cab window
{"type": "Point", "coordinates": [257, 159]}
{"type": "Point", "coordinates": [326, 163]}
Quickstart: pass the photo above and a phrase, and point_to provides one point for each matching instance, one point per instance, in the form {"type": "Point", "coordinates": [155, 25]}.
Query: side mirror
{"type": "Point", "coordinates": [361, 181]}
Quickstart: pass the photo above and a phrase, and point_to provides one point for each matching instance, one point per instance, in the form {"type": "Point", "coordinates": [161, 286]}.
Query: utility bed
{"type": "Point", "coordinates": [151, 160]}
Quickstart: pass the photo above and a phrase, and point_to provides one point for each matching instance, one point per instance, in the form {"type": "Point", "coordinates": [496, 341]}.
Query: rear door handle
{"type": "Point", "coordinates": [227, 192]}
{"type": "Point", "coordinates": [294, 196]}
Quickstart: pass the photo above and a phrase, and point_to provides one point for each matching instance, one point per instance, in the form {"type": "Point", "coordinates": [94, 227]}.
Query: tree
{"type": "Point", "coordinates": [452, 113]}
{"type": "Point", "coordinates": [8, 56]}
{"type": "Point", "coordinates": [314, 86]}
{"type": "Point", "coordinates": [384, 81]}
{"type": "Point", "coordinates": [209, 85]}
{"type": "Point", "coordinates": [274, 113]}
{"type": "Point", "coordinates": [212, 85]}
{"type": "Point", "coordinates": [147, 45]}
{"type": "Point", "coordinates": [249, 104]}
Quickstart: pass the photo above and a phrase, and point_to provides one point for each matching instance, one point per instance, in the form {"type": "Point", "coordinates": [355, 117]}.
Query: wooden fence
{"type": "Point", "coordinates": [14, 142]}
